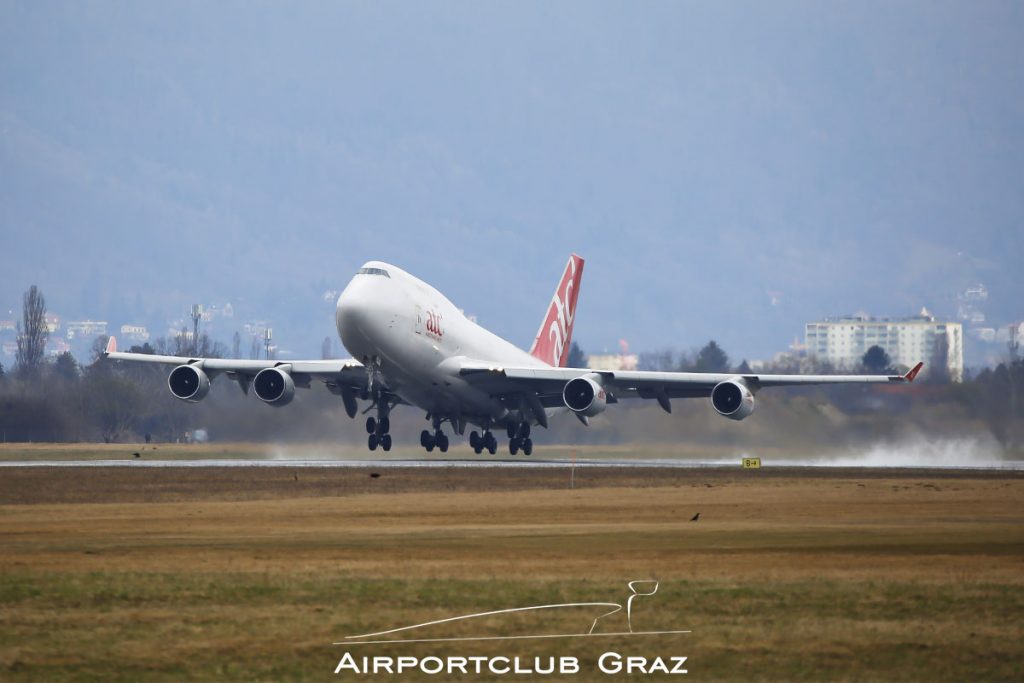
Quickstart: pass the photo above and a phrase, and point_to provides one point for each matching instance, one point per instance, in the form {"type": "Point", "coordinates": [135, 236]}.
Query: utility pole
{"type": "Point", "coordinates": [197, 314]}
{"type": "Point", "coordinates": [268, 338]}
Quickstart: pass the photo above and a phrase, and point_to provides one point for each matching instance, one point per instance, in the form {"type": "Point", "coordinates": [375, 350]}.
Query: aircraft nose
{"type": "Point", "coordinates": [354, 317]}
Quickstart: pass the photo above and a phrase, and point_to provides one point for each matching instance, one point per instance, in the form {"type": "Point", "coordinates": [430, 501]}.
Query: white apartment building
{"type": "Point", "coordinates": [844, 341]}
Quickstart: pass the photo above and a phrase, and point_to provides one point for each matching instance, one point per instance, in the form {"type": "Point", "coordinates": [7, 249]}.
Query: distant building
{"type": "Point", "coordinates": [844, 341]}
{"type": "Point", "coordinates": [612, 361]}
{"type": "Point", "coordinates": [7, 326]}
{"type": "Point", "coordinates": [52, 322]}
{"type": "Point", "coordinates": [134, 333]}
{"type": "Point", "coordinates": [84, 328]}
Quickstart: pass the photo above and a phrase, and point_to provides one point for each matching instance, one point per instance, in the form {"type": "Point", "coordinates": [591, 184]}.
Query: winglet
{"type": "Point", "coordinates": [111, 346]}
{"type": "Point", "coordinates": [912, 373]}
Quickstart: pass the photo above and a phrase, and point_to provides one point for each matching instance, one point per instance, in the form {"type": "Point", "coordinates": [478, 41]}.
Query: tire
{"type": "Point", "coordinates": [371, 441]}
{"type": "Point", "coordinates": [424, 438]}
{"type": "Point", "coordinates": [371, 425]}
{"type": "Point", "coordinates": [513, 446]}
{"type": "Point", "coordinates": [443, 444]}
{"type": "Point", "coordinates": [385, 442]}
{"type": "Point", "coordinates": [524, 430]}
{"type": "Point", "coordinates": [474, 441]}
{"type": "Point", "coordinates": [477, 449]}
{"type": "Point", "coordinates": [384, 425]}
{"type": "Point", "coordinates": [511, 429]}
{"type": "Point", "coordinates": [527, 447]}
{"type": "Point", "coordinates": [492, 447]}
{"type": "Point", "coordinates": [430, 447]}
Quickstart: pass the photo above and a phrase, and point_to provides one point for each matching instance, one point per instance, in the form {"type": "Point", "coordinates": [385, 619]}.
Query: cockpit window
{"type": "Point", "coordinates": [374, 271]}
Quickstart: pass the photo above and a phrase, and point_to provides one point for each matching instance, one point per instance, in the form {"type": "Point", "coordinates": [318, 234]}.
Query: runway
{"type": "Point", "coordinates": [480, 463]}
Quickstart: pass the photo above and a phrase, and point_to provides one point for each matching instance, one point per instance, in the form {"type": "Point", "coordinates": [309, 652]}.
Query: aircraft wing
{"type": "Point", "coordinates": [547, 383]}
{"type": "Point", "coordinates": [336, 374]}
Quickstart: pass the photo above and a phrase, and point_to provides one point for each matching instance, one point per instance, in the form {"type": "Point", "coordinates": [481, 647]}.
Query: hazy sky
{"type": "Point", "coordinates": [728, 170]}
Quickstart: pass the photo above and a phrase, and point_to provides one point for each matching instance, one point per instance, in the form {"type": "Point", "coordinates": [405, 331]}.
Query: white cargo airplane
{"type": "Point", "coordinates": [410, 345]}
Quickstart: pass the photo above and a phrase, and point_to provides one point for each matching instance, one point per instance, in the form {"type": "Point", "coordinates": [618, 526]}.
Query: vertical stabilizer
{"type": "Point", "coordinates": [554, 337]}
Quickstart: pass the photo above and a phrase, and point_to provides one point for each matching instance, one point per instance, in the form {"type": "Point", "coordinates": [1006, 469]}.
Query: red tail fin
{"type": "Point", "coordinates": [551, 344]}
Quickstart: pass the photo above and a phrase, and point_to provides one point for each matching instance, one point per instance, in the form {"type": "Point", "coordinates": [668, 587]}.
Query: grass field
{"type": "Point", "coordinates": [122, 574]}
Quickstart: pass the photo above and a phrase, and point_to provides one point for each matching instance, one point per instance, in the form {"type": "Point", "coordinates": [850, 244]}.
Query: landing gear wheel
{"type": "Point", "coordinates": [385, 442]}
{"type": "Point", "coordinates": [492, 444]}
{"type": "Point", "coordinates": [384, 425]}
{"type": "Point", "coordinates": [474, 441]}
{"type": "Point", "coordinates": [524, 430]}
{"type": "Point", "coordinates": [371, 441]}
{"type": "Point", "coordinates": [477, 449]}
{"type": "Point", "coordinates": [442, 442]}
{"type": "Point", "coordinates": [425, 438]}
{"type": "Point", "coordinates": [513, 446]}
{"type": "Point", "coordinates": [510, 429]}
{"type": "Point", "coordinates": [527, 447]}
{"type": "Point", "coordinates": [371, 425]}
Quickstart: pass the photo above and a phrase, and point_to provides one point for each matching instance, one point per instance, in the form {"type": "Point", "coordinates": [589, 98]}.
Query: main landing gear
{"type": "Point", "coordinates": [479, 442]}
{"type": "Point", "coordinates": [519, 438]}
{"type": "Point", "coordinates": [436, 440]}
{"type": "Point", "coordinates": [378, 429]}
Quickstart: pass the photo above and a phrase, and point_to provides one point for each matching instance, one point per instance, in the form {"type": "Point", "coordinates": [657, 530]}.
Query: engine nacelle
{"type": "Point", "coordinates": [274, 386]}
{"type": "Point", "coordinates": [188, 383]}
{"type": "Point", "coordinates": [732, 399]}
{"type": "Point", "coordinates": [585, 395]}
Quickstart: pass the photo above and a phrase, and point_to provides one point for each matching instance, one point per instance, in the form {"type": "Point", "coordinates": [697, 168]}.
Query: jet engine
{"type": "Point", "coordinates": [732, 399]}
{"type": "Point", "coordinates": [274, 386]}
{"type": "Point", "coordinates": [188, 383]}
{"type": "Point", "coordinates": [585, 395]}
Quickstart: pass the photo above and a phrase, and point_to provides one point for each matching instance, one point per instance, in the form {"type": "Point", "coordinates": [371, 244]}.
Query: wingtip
{"type": "Point", "coordinates": [111, 346]}
{"type": "Point", "coordinates": [912, 373]}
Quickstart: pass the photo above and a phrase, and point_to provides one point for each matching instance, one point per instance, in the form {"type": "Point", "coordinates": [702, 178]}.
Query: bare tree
{"type": "Point", "coordinates": [182, 344]}
{"type": "Point", "coordinates": [236, 345]}
{"type": "Point", "coordinates": [98, 347]}
{"type": "Point", "coordinates": [32, 332]}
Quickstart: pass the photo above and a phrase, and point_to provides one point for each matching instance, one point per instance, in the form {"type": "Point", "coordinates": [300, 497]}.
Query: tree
{"type": "Point", "coordinates": [236, 345]}
{"type": "Point", "coordinates": [577, 359]}
{"type": "Point", "coordinates": [663, 360]}
{"type": "Point", "coordinates": [3, 375]}
{"type": "Point", "coordinates": [65, 368]}
{"type": "Point", "coordinates": [744, 368]}
{"type": "Point", "coordinates": [876, 361]}
{"type": "Point", "coordinates": [712, 359]}
{"type": "Point", "coordinates": [32, 332]}
{"type": "Point", "coordinates": [325, 348]}
{"type": "Point", "coordinates": [98, 348]}
{"type": "Point", "coordinates": [113, 403]}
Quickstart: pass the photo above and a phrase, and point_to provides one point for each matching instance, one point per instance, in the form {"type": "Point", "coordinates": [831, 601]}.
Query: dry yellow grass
{"type": "Point", "coordinates": [813, 576]}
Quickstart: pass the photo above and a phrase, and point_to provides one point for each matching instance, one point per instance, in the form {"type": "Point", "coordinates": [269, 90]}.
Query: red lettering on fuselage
{"type": "Point", "coordinates": [434, 324]}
